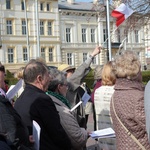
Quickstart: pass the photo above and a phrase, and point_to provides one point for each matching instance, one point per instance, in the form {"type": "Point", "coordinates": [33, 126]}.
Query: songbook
{"type": "Point", "coordinates": [103, 133]}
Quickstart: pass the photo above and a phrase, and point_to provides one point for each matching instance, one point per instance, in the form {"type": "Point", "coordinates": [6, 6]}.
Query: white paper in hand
{"type": "Point", "coordinates": [14, 89]}
{"type": "Point", "coordinates": [85, 98]}
{"type": "Point", "coordinates": [103, 133]}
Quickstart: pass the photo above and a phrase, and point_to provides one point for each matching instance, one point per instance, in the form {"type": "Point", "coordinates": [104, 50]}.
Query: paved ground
{"type": "Point", "coordinates": [91, 143]}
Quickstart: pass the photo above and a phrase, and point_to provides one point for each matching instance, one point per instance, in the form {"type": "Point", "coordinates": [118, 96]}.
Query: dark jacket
{"type": "Point", "coordinates": [34, 104]}
{"type": "Point", "coordinates": [11, 127]}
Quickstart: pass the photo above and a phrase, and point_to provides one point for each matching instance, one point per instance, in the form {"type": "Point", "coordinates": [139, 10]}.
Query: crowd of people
{"type": "Point", "coordinates": [48, 96]}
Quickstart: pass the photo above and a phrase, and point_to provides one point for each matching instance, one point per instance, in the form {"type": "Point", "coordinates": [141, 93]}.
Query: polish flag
{"type": "Point", "coordinates": [121, 13]}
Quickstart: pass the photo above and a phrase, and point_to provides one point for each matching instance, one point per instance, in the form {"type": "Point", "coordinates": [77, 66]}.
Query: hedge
{"type": "Point", "coordinates": [89, 79]}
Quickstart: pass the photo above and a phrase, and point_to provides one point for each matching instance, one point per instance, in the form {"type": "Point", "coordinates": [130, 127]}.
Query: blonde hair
{"type": "Point", "coordinates": [127, 65]}
{"type": "Point", "coordinates": [108, 75]}
{"type": "Point", "coordinates": [19, 73]}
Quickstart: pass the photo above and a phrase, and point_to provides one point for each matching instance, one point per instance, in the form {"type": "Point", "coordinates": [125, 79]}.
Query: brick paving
{"type": "Point", "coordinates": [91, 143]}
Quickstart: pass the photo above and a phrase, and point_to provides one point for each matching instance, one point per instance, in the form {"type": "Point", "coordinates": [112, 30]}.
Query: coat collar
{"type": "Point", "coordinates": [126, 84]}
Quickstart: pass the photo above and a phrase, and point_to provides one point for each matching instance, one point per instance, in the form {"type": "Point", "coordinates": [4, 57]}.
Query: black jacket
{"type": "Point", "coordinates": [12, 128]}
{"type": "Point", "coordinates": [34, 104]}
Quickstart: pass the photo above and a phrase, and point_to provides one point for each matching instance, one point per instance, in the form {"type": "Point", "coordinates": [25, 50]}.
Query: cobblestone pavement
{"type": "Point", "coordinates": [91, 143]}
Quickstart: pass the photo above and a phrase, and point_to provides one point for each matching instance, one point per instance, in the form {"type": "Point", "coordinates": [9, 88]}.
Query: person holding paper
{"type": "Point", "coordinates": [57, 91]}
{"type": "Point", "coordinates": [35, 104]}
{"type": "Point", "coordinates": [86, 98]}
{"type": "Point", "coordinates": [102, 98]}
{"type": "Point", "coordinates": [127, 103]}
{"type": "Point", "coordinates": [75, 78]}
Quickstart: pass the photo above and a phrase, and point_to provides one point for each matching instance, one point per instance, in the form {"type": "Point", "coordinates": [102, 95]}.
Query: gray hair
{"type": "Point", "coordinates": [57, 77]}
{"type": "Point", "coordinates": [98, 72]}
{"type": "Point", "coordinates": [33, 69]}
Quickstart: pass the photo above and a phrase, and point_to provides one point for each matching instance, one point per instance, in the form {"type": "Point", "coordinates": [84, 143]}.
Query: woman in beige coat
{"type": "Point", "coordinates": [57, 91]}
{"type": "Point", "coordinates": [127, 104]}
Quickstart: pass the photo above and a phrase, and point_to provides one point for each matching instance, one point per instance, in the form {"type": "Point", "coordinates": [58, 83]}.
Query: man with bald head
{"type": "Point", "coordinates": [34, 104]}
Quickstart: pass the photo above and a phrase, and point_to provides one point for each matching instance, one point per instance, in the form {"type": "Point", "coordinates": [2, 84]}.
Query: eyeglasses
{"type": "Point", "coordinates": [65, 85]}
{"type": "Point", "coordinates": [2, 68]}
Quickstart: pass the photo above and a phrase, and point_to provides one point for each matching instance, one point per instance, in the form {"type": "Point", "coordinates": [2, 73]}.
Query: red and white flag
{"type": "Point", "coordinates": [121, 13]}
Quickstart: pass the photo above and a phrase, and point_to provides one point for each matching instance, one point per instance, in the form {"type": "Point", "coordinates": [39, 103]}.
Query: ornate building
{"type": "Point", "coordinates": [61, 31]}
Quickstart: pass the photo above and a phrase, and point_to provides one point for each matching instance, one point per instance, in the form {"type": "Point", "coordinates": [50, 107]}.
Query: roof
{"type": "Point", "coordinates": [83, 6]}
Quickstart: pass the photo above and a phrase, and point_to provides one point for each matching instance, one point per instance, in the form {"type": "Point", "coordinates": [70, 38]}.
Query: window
{"type": "Point", "coordinates": [23, 27]}
{"type": "Point", "coordinates": [25, 54]}
{"type": "Point", "coordinates": [92, 35]}
{"type": "Point", "coordinates": [69, 59]}
{"type": "Point", "coordinates": [83, 35]}
{"type": "Point", "coordinates": [43, 52]}
{"type": "Point", "coordinates": [84, 57]}
{"type": "Point", "coordinates": [94, 61]}
{"type": "Point", "coordinates": [50, 54]}
{"type": "Point", "coordinates": [105, 34]}
{"type": "Point", "coordinates": [8, 4]}
{"type": "Point", "coordinates": [68, 35]}
{"type": "Point", "coordinates": [9, 26]}
{"type": "Point", "coordinates": [41, 27]}
{"type": "Point", "coordinates": [118, 35]}
{"type": "Point", "coordinates": [136, 36]}
{"type": "Point", "coordinates": [49, 26]}
{"type": "Point", "coordinates": [48, 7]}
{"type": "Point", "coordinates": [126, 35]}
{"type": "Point", "coordinates": [22, 5]}
{"type": "Point", "coordinates": [41, 6]}
{"type": "Point", "coordinates": [10, 55]}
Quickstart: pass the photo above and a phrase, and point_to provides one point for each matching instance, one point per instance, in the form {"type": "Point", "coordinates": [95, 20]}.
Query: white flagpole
{"type": "Point", "coordinates": [37, 28]}
{"type": "Point", "coordinates": [108, 28]}
{"type": "Point", "coordinates": [27, 31]}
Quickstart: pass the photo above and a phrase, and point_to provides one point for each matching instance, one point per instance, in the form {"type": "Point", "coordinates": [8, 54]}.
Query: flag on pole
{"type": "Point", "coordinates": [121, 13]}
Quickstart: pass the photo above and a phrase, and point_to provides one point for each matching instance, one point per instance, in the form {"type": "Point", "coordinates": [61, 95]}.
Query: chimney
{"type": "Point", "coordinates": [71, 1]}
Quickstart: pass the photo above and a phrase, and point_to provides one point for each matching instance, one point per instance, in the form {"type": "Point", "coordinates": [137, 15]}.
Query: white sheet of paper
{"type": "Point", "coordinates": [14, 89]}
{"type": "Point", "coordinates": [103, 133]}
{"type": "Point", "coordinates": [85, 98]}
{"type": "Point", "coordinates": [76, 106]}
{"type": "Point", "coordinates": [36, 134]}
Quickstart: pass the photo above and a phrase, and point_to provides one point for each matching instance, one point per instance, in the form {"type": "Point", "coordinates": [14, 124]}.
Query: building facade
{"type": "Point", "coordinates": [61, 31]}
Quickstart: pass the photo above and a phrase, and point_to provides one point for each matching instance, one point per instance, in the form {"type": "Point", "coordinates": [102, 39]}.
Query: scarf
{"type": "Point", "coordinates": [60, 97]}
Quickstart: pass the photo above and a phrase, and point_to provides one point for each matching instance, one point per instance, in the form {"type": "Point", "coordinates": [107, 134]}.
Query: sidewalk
{"type": "Point", "coordinates": [91, 143]}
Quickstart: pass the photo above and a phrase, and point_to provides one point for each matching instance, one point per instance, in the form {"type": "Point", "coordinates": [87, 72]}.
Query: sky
{"type": "Point", "coordinates": [83, 0]}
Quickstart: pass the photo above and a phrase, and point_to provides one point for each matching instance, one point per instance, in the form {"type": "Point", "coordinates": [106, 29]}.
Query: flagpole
{"type": "Point", "coordinates": [108, 28]}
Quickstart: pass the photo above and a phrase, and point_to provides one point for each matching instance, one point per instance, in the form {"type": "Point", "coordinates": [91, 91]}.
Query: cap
{"type": "Point", "coordinates": [65, 67]}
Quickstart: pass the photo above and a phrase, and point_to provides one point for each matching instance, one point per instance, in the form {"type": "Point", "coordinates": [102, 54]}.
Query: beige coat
{"type": "Point", "coordinates": [78, 136]}
{"type": "Point", "coordinates": [128, 101]}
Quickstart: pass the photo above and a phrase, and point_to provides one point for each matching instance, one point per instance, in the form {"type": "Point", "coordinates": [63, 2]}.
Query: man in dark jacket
{"type": "Point", "coordinates": [34, 104]}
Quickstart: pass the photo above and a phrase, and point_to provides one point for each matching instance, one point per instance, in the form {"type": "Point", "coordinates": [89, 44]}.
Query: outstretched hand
{"type": "Point", "coordinates": [96, 51]}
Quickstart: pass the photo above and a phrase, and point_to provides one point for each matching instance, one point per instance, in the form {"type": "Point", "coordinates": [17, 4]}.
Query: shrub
{"type": "Point", "coordinates": [9, 79]}
{"type": "Point", "coordinates": [89, 79]}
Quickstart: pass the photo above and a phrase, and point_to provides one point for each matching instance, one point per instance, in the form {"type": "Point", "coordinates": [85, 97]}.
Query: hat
{"type": "Point", "coordinates": [65, 67]}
